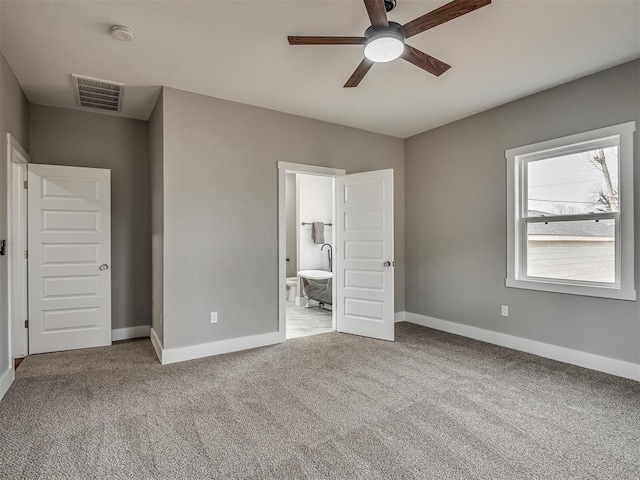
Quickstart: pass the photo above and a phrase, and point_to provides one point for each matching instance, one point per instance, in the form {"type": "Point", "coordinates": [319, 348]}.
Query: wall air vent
{"type": "Point", "coordinates": [95, 93]}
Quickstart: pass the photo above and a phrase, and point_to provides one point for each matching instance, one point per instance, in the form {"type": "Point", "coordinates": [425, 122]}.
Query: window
{"type": "Point", "coordinates": [570, 214]}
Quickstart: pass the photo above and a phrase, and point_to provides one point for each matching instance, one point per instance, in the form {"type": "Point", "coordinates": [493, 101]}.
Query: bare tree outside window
{"type": "Point", "coordinates": [607, 197]}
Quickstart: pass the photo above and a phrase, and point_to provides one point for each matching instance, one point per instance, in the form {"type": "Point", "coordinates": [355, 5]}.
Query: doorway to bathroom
{"type": "Point", "coordinates": [309, 241]}
{"type": "Point", "coordinates": [357, 282]}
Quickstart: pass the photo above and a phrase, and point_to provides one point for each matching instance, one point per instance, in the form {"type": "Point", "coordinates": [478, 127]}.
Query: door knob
{"type": "Point", "coordinates": [104, 266]}
{"type": "Point", "coordinates": [387, 264]}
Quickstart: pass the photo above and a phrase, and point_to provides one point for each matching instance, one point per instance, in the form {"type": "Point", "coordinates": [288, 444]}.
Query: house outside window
{"type": "Point", "coordinates": [570, 214]}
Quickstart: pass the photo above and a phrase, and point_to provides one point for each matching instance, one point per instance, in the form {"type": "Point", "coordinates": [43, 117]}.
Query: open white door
{"type": "Point", "coordinates": [69, 223]}
{"type": "Point", "coordinates": [364, 267]}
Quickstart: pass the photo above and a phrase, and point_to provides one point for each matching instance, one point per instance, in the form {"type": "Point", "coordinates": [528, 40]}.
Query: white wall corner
{"type": "Point", "coordinates": [138, 331]}
{"type": "Point", "coordinates": [157, 344]}
{"type": "Point", "coordinates": [591, 361]}
{"type": "Point", "coordinates": [6, 379]}
{"type": "Point", "coordinates": [400, 317]}
{"type": "Point", "coordinates": [181, 354]}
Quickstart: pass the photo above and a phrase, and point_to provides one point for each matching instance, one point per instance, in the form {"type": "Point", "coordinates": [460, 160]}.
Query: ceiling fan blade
{"type": "Point", "coordinates": [326, 40]}
{"type": "Point", "coordinates": [441, 15]}
{"type": "Point", "coordinates": [358, 75]}
{"type": "Point", "coordinates": [377, 13]}
{"type": "Point", "coordinates": [424, 61]}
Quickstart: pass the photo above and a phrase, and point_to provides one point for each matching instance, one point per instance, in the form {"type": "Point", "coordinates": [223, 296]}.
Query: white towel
{"type": "Point", "coordinates": [317, 233]}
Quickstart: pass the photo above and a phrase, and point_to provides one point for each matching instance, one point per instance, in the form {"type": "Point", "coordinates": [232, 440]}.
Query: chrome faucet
{"type": "Point", "coordinates": [329, 252]}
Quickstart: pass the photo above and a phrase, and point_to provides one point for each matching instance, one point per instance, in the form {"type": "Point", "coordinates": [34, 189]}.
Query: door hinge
{"type": "Point", "coordinates": [26, 254]}
{"type": "Point", "coordinates": [26, 185]}
{"type": "Point", "coordinates": [26, 323]}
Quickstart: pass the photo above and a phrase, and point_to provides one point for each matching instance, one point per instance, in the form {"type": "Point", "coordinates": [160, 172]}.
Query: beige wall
{"type": "Point", "coordinates": [70, 137]}
{"type": "Point", "coordinates": [14, 119]}
{"type": "Point", "coordinates": [156, 149]}
{"type": "Point", "coordinates": [456, 218]}
{"type": "Point", "coordinates": [220, 208]}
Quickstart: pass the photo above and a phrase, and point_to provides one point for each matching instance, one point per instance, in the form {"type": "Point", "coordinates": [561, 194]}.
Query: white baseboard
{"type": "Point", "coordinates": [130, 332]}
{"type": "Point", "coordinates": [6, 379]}
{"type": "Point", "coordinates": [591, 361]}
{"type": "Point", "coordinates": [180, 354]}
{"type": "Point", "coordinates": [157, 344]}
{"type": "Point", "coordinates": [400, 317]}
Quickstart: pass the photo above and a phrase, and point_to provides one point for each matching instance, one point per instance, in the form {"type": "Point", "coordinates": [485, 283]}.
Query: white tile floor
{"type": "Point", "coordinates": [302, 322]}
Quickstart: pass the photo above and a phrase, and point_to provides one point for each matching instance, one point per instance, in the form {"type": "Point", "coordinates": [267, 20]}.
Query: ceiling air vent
{"type": "Point", "coordinates": [95, 93]}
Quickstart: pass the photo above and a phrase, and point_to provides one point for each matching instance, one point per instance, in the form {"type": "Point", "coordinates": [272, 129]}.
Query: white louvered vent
{"type": "Point", "coordinates": [95, 93]}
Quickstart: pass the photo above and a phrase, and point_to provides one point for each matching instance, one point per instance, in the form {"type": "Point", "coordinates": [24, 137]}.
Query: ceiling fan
{"type": "Point", "coordinates": [384, 41]}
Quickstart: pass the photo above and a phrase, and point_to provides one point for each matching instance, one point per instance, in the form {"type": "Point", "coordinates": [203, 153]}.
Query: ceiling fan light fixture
{"type": "Point", "coordinates": [384, 47]}
{"type": "Point", "coordinates": [384, 40]}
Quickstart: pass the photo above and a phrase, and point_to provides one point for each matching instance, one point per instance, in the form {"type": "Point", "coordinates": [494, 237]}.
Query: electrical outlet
{"type": "Point", "coordinates": [505, 310]}
{"type": "Point", "coordinates": [214, 317]}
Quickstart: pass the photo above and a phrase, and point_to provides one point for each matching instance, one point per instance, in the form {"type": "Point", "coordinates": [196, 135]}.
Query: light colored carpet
{"type": "Point", "coordinates": [430, 405]}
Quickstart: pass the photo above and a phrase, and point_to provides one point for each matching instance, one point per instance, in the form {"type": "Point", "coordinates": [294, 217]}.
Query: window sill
{"type": "Point", "coordinates": [613, 292]}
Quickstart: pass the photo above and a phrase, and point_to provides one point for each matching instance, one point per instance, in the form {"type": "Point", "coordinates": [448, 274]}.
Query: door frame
{"type": "Point", "coordinates": [16, 156]}
{"type": "Point", "coordinates": [283, 169]}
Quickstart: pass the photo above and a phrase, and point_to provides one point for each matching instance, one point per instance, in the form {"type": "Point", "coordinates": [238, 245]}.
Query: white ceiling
{"type": "Point", "coordinates": [238, 50]}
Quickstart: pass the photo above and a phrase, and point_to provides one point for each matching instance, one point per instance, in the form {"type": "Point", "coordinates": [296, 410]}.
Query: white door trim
{"type": "Point", "coordinates": [283, 169]}
{"type": "Point", "coordinates": [16, 246]}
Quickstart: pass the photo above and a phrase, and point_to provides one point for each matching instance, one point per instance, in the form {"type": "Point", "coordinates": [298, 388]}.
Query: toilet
{"type": "Point", "coordinates": [292, 284]}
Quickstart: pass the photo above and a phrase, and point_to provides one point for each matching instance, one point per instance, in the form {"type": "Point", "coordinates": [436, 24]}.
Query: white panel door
{"type": "Point", "coordinates": [69, 223]}
{"type": "Point", "coordinates": [364, 268]}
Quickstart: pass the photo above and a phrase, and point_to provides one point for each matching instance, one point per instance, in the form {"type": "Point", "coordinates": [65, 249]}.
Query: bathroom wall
{"type": "Point", "coordinates": [314, 204]}
{"type": "Point", "coordinates": [291, 230]}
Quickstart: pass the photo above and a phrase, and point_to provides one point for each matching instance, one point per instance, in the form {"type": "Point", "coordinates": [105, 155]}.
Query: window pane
{"type": "Point", "coordinates": [572, 184]}
{"type": "Point", "coordinates": [575, 250]}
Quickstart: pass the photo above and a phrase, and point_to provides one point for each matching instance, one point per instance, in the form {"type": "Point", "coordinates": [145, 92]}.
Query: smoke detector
{"type": "Point", "coordinates": [96, 93]}
{"type": "Point", "coordinates": [121, 33]}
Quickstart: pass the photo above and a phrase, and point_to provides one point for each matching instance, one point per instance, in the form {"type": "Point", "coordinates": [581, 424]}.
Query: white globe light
{"type": "Point", "coordinates": [383, 48]}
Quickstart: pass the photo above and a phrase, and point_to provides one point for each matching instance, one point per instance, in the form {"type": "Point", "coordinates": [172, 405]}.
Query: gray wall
{"type": "Point", "coordinates": [220, 208]}
{"type": "Point", "coordinates": [69, 137]}
{"type": "Point", "coordinates": [156, 148]}
{"type": "Point", "coordinates": [456, 218]}
{"type": "Point", "coordinates": [14, 119]}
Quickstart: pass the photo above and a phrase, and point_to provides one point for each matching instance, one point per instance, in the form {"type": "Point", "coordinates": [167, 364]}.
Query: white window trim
{"type": "Point", "coordinates": [624, 287]}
